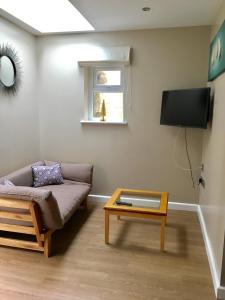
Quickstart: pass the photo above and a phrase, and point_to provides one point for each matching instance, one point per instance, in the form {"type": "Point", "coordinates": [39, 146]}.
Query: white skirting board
{"type": "Point", "coordinates": [219, 290]}
{"type": "Point", "coordinates": [171, 205]}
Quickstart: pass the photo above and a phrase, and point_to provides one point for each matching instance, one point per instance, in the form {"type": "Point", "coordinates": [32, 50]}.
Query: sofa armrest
{"type": "Point", "coordinates": [77, 172]}
{"type": "Point", "coordinates": [47, 203]}
{"type": "Point", "coordinates": [23, 176]}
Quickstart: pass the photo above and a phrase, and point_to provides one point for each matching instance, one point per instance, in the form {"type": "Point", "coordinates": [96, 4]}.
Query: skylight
{"type": "Point", "coordinates": [47, 16]}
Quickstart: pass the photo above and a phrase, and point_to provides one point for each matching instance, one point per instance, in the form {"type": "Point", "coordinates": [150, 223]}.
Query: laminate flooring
{"type": "Point", "coordinates": [130, 267]}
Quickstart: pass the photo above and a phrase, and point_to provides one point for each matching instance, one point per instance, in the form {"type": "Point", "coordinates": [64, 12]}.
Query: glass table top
{"type": "Point", "coordinates": [138, 201]}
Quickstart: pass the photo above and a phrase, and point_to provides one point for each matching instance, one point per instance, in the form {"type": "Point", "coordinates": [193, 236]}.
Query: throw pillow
{"type": "Point", "coordinates": [47, 175]}
{"type": "Point", "coordinates": [8, 182]}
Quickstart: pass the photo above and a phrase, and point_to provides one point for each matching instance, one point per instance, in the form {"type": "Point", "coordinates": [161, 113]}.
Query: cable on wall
{"type": "Point", "coordinates": [174, 155]}
{"type": "Point", "coordinates": [188, 157]}
{"type": "Point", "coordinates": [190, 169]}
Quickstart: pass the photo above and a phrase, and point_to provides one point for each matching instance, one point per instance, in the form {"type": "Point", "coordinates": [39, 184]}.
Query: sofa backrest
{"type": "Point", "coordinates": [75, 172]}
{"type": "Point", "coordinates": [22, 177]}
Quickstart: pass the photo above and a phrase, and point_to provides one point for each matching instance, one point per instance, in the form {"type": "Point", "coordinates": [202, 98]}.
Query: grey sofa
{"type": "Point", "coordinates": [40, 211]}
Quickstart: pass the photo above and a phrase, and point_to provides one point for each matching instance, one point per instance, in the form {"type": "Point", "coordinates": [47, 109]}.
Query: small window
{"type": "Point", "coordinates": [106, 95]}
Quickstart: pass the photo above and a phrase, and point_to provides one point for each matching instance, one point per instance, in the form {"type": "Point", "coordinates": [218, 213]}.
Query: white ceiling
{"type": "Point", "coordinates": [109, 15]}
{"type": "Point", "coordinates": [112, 15]}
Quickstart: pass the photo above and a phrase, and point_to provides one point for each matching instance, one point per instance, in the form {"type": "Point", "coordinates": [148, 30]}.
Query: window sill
{"type": "Point", "coordinates": [102, 122]}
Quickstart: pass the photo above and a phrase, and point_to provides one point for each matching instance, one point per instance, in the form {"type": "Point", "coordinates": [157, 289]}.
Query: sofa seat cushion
{"type": "Point", "coordinates": [69, 196]}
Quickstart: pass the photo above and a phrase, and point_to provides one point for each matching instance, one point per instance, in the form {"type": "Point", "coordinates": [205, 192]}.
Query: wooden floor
{"type": "Point", "coordinates": [131, 267]}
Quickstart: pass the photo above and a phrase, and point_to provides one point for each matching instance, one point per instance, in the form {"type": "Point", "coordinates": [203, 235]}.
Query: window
{"type": "Point", "coordinates": [106, 94]}
{"type": "Point", "coordinates": [107, 90]}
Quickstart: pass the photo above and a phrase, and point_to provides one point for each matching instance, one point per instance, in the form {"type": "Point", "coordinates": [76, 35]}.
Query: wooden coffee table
{"type": "Point", "coordinates": [153, 206]}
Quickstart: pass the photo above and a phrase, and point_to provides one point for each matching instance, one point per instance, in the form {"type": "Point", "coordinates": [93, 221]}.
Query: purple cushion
{"type": "Point", "coordinates": [8, 182]}
{"type": "Point", "coordinates": [47, 175]}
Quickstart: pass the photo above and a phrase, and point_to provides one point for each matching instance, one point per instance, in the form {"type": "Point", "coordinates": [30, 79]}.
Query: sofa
{"type": "Point", "coordinates": [39, 211]}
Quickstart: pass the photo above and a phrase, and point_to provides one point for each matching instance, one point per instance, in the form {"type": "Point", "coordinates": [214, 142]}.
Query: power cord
{"type": "Point", "coordinates": [188, 157]}
{"type": "Point", "coordinates": [190, 169]}
{"type": "Point", "coordinates": [174, 155]}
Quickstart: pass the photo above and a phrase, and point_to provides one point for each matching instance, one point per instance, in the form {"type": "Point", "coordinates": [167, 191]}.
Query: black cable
{"type": "Point", "coordinates": [188, 156]}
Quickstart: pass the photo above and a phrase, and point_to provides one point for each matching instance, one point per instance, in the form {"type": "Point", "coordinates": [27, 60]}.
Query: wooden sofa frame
{"type": "Point", "coordinates": [32, 215]}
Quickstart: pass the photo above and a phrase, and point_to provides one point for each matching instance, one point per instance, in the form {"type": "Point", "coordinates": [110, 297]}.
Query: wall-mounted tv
{"type": "Point", "coordinates": [187, 108]}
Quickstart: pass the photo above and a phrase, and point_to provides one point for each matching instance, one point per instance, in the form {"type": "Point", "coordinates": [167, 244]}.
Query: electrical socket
{"type": "Point", "coordinates": [201, 181]}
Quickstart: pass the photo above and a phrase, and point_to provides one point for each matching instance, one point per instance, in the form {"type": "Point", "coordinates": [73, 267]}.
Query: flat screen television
{"type": "Point", "coordinates": [187, 108]}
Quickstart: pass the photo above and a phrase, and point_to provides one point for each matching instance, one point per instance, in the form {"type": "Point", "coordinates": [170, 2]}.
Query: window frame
{"type": "Point", "coordinates": [95, 88]}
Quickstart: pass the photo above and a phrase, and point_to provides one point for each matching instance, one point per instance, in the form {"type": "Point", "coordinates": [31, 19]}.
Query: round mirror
{"type": "Point", "coordinates": [7, 71]}
{"type": "Point", "coordinates": [10, 70]}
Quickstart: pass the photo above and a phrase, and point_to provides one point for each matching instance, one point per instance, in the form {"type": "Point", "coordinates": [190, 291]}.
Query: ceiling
{"type": "Point", "coordinates": [109, 15]}
{"type": "Point", "coordinates": [113, 15]}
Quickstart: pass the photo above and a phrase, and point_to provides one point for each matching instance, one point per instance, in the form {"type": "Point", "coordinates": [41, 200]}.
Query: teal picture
{"type": "Point", "coordinates": [217, 54]}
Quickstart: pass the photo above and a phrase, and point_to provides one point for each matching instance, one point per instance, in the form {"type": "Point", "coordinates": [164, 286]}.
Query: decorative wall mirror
{"type": "Point", "coordinates": [10, 70]}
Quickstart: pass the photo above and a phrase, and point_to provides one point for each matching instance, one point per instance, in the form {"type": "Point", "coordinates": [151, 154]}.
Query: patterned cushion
{"type": "Point", "coordinates": [8, 182]}
{"type": "Point", "coordinates": [47, 175]}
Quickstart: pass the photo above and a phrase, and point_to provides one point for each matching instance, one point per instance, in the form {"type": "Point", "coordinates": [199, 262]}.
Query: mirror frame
{"type": "Point", "coordinates": [8, 51]}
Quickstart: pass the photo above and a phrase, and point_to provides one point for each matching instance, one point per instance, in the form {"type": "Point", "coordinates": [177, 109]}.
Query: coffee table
{"type": "Point", "coordinates": [143, 204]}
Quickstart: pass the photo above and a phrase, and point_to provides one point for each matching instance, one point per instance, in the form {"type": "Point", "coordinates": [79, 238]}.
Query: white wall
{"type": "Point", "coordinates": [19, 132]}
{"type": "Point", "coordinates": [138, 155]}
{"type": "Point", "coordinates": [123, 156]}
{"type": "Point", "coordinates": [212, 200]}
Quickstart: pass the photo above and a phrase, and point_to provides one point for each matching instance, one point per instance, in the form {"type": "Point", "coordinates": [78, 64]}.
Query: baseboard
{"type": "Point", "coordinates": [209, 252]}
{"type": "Point", "coordinates": [100, 198]}
{"type": "Point", "coordinates": [171, 205]}
{"type": "Point", "coordinates": [219, 290]}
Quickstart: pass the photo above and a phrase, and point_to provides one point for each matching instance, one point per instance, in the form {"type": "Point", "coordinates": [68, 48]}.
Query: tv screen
{"type": "Point", "coordinates": [187, 108]}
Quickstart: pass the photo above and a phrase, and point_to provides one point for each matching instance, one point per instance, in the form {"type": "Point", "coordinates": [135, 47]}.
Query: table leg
{"type": "Point", "coordinates": [162, 233]}
{"type": "Point", "coordinates": [118, 217]}
{"type": "Point", "coordinates": [106, 226]}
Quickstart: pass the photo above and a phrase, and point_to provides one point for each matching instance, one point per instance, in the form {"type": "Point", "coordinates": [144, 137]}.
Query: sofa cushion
{"type": "Point", "coordinates": [47, 175]}
{"type": "Point", "coordinates": [76, 172]}
{"type": "Point", "coordinates": [22, 177]}
{"type": "Point", "coordinates": [69, 196]}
